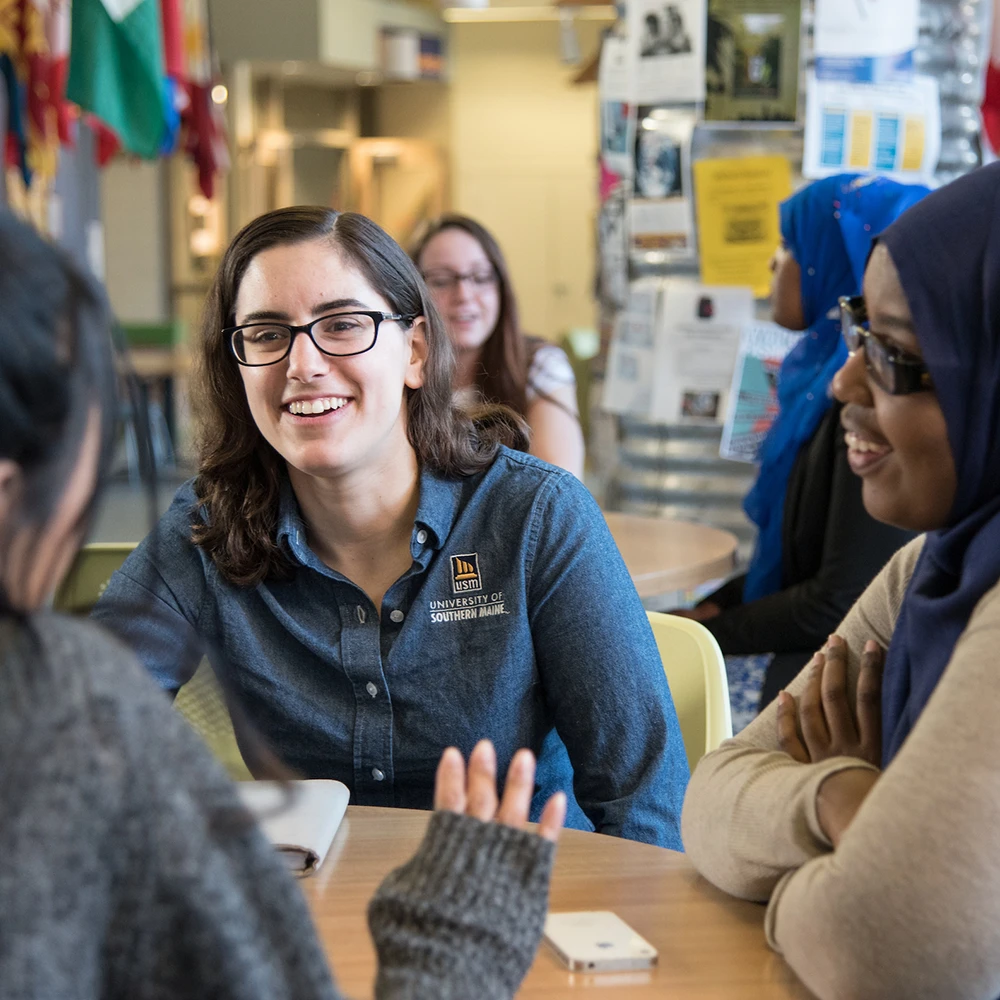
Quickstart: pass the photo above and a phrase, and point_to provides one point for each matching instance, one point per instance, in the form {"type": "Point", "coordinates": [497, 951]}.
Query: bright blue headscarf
{"type": "Point", "coordinates": [828, 228]}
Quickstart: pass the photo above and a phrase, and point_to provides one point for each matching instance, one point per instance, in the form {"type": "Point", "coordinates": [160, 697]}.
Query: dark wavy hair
{"type": "Point", "coordinates": [240, 474]}
{"type": "Point", "coordinates": [55, 370]}
{"type": "Point", "coordinates": [502, 375]}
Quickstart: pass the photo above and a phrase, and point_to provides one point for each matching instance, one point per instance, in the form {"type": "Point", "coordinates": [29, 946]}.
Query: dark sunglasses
{"type": "Point", "coordinates": [893, 370]}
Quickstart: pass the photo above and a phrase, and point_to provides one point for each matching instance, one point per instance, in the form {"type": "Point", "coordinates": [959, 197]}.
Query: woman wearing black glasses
{"type": "Point", "coordinates": [468, 278]}
{"type": "Point", "coordinates": [864, 804]}
{"type": "Point", "coordinates": [386, 572]}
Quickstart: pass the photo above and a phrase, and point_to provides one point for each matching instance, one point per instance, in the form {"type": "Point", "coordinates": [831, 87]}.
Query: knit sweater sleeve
{"type": "Point", "coordinates": [128, 867]}
{"type": "Point", "coordinates": [464, 916]}
{"type": "Point", "coordinates": [750, 812]}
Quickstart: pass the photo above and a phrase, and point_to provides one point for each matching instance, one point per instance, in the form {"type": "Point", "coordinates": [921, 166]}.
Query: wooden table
{"type": "Point", "coordinates": [664, 555]}
{"type": "Point", "coordinates": [711, 947]}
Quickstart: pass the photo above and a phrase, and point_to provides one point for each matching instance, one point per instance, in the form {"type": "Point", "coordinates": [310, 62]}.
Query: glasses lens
{"type": "Point", "coordinates": [880, 364]}
{"type": "Point", "coordinates": [260, 345]}
{"type": "Point", "coordinates": [345, 333]}
{"type": "Point", "coordinates": [441, 281]}
{"type": "Point", "coordinates": [848, 327]}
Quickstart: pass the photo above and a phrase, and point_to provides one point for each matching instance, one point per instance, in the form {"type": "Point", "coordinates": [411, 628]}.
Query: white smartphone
{"type": "Point", "coordinates": [597, 941]}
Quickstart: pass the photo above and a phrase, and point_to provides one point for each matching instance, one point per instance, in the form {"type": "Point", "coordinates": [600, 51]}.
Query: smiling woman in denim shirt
{"type": "Point", "coordinates": [377, 574]}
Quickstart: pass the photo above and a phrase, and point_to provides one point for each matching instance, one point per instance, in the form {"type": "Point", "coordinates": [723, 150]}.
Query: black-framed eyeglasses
{"type": "Point", "coordinates": [893, 370]}
{"type": "Point", "coordinates": [445, 280]}
{"type": "Point", "coordinates": [339, 335]}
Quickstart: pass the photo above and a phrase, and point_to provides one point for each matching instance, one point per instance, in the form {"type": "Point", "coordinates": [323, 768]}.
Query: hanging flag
{"type": "Point", "coordinates": [116, 69]}
{"type": "Point", "coordinates": [42, 102]}
{"type": "Point", "coordinates": [991, 96]}
{"type": "Point", "coordinates": [22, 45]}
{"type": "Point", "coordinates": [15, 150]}
{"type": "Point", "coordinates": [205, 130]}
{"type": "Point", "coordinates": [172, 20]}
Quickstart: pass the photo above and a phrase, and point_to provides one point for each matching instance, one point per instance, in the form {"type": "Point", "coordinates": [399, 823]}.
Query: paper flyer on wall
{"type": "Point", "coordinates": [661, 216]}
{"type": "Point", "coordinates": [865, 41]}
{"type": "Point", "coordinates": [612, 242]}
{"type": "Point", "coordinates": [668, 39]}
{"type": "Point", "coordinates": [752, 60]}
{"type": "Point", "coordinates": [615, 71]}
{"type": "Point", "coordinates": [893, 129]}
{"type": "Point", "coordinates": [695, 350]}
{"type": "Point", "coordinates": [628, 381]}
{"type": "Point", "coordinates": [737, 202]}
{"type": "Point", "coordinates": [753, 395]}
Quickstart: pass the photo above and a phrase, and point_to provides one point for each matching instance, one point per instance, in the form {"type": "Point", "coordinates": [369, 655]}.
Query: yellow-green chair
{"type": "Point", "coordinates": [696, 673]}
{"type": "Point", "coordinates": [200, 701]}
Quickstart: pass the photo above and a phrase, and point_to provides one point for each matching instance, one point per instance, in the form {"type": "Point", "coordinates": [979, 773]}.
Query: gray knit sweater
{"type": "Point", "coordinates": [128, 870]}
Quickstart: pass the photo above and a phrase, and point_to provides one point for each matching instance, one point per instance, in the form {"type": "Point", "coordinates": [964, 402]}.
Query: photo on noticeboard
{"type": "Point", "coordinates": [664, 33]}
{"type": "Point", "coordinates": [700, 405]}
{"type": "Point", "coordinates": [751, 60]}
{"type": "Point", "coordinates": [657, 165]}
{"type": "Point", "coordinates": [757, 57]}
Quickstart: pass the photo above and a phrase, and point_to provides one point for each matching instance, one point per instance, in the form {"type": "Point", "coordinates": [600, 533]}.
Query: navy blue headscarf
{"type": "Point", "coordinates": [947, 252]}
{"type": "Point", "coordinates": [828, 228]}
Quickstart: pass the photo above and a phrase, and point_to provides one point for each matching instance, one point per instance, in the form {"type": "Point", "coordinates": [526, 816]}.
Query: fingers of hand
{"type": "Point", "coordinates": [449, 783]}
{"type": "Point", "coordinates": [811, 717]}
{"type": "Point", "coordinates": [552, 818]}
{"type": "Point", "coordinates": [518, 789]}
{"type": "Point", "coordinates": [836, 708]}
{"type": "Point", "coordinates": [870, 701]}
{"type": "Point", "coordinates": [482, 784]}
{"type": "Point", "coordinates": [788, 729]}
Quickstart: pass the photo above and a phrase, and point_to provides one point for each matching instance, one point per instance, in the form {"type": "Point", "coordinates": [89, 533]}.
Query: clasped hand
{"type": "Point", "coordinates": [822, 725]}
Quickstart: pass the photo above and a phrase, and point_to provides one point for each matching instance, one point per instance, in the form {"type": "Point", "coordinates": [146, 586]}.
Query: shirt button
{"type": "Point", "coordinates": [371, 689]}
{"type": "Point", "coordinates": [421, 536]}
{"type": "Point", "coordinates": [377, 774]}
{"type": "Point", "coordinates": [397, 615]}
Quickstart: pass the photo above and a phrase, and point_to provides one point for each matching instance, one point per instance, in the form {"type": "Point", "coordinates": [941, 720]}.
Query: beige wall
{"type": "Point", "coordinates": [133, 212]}
{"type": "Point", "coordinates": [524, 146]}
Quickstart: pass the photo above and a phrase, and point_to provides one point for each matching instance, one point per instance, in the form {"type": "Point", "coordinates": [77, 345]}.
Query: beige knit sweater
{"type": "Point", "coordinates": [908, 906]}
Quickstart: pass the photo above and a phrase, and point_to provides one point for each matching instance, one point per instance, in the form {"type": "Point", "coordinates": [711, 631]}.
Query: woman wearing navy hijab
{"type": "Point", "coordinates": [864, 805]}
{"type": "Point", "coordinates": [817, 549]}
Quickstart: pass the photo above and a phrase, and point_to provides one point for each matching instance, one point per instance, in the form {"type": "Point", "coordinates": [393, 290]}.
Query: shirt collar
{"type": "Point", "coordinates": [436, 513]}
{"type": "Point", "coordinates": [438, 506]}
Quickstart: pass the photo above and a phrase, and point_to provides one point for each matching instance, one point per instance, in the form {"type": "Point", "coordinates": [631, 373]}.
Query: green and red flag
{"type": "Point", "coordinates": [116, 70]}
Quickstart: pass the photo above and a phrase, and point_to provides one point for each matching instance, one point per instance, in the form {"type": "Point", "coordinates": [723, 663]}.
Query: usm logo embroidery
{"type": "Point", "coordinates": [465, 573]}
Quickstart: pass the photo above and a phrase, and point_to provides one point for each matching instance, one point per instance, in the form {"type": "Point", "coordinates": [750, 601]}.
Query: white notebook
{"type": "Point", "coordinates": [300, 820]}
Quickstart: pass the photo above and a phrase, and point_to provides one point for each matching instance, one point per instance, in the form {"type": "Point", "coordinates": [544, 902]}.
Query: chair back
{"type": "Point", "coordinates": [696, 673]}
{"type": "Point", "coordinates": [89, 575]}
{"type": "Point", "coordinates": [200, 701]}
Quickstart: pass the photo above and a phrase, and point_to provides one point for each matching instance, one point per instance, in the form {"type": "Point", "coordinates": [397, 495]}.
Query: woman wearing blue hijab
{"type": "Point", "coordinates": [817, 548]}
{"type": "Point", "coordinates": [864, 805]}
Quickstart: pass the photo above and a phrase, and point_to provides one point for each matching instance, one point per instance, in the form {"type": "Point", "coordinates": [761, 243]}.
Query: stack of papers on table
{"type": "Point", "coordinates": [300, 818]}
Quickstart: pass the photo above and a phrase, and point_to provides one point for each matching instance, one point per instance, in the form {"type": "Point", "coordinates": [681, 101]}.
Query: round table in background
{"type": "Point", "coordinates": [711, 946]}
{"type": "Point", "coordinates": [663, 555]}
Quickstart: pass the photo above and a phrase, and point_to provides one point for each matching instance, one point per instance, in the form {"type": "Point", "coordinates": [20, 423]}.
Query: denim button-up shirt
{"type": "Point", "coordinates": [517, 617]}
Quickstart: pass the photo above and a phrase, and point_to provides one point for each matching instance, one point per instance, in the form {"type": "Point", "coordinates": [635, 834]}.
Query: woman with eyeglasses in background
{"type": "Point", "coordinates": [468, 278]}
{"type": "Point", "coordinates": [864, 803]}
{"type": "Point", "coordinates": [817, 548]}
{"type": "Point", "coordinates": [386, 572]}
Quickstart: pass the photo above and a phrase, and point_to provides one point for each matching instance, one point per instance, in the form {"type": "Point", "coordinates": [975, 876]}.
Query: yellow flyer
{"type": "Point", "coordinates": [737, 204]}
